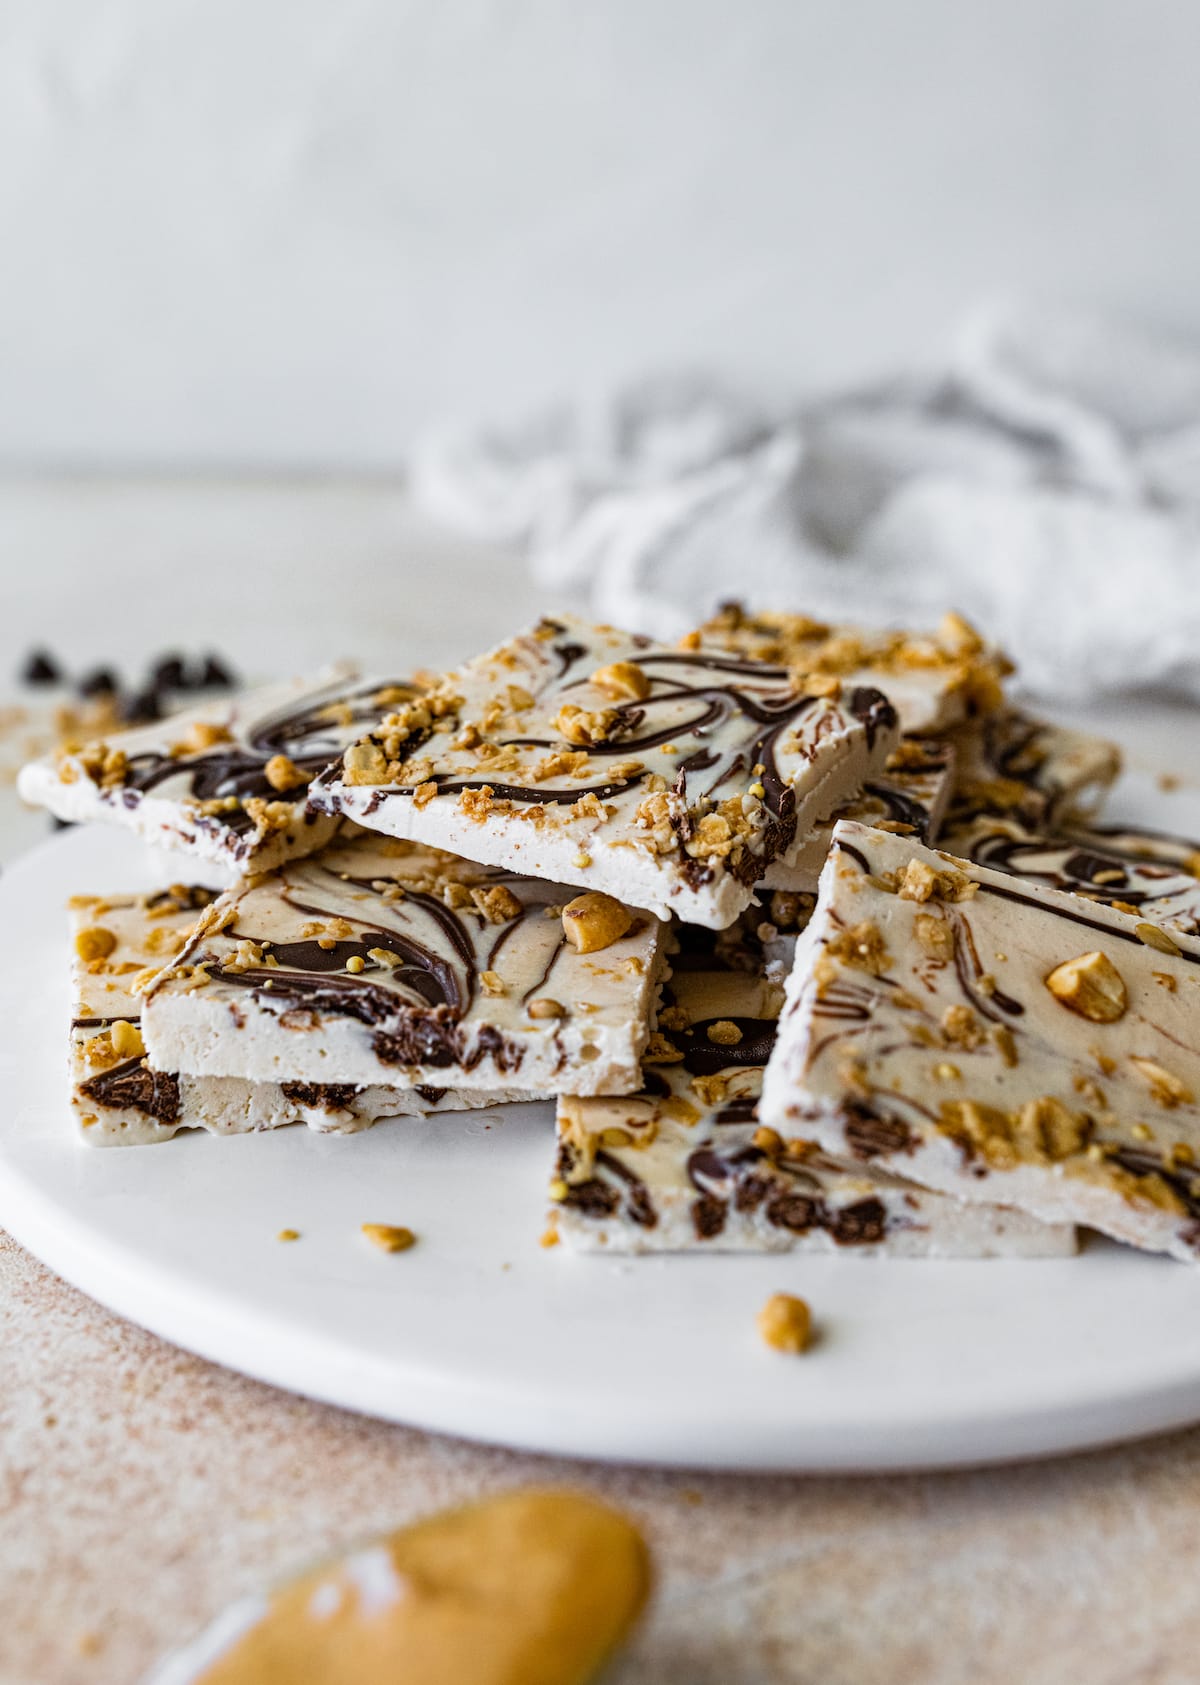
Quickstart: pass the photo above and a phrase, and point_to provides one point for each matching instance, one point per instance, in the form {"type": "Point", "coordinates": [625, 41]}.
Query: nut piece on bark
{"type": "Point", "coordinates": [594, 921]}
{"type": "Point", "coordinates": [282, 773]}
{"type": "Point", "coordinates": [544, 1007]}
{"type": "Point", "coordinates": [95, 942]}
{"type": "Point", "coordinates": [623, 679]}
{"type": "Point", "coordinates": [127, 1040]}
{"type": "Point", "coordinates": [785, 1323]}
{"type": "Point", "coordinates": [1090, 985]}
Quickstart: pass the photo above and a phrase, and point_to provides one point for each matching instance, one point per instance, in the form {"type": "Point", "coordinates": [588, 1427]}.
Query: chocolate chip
{"type": "Point", "coordinates": [168, 673]}
{"type": "Point", "coordinates": [593, 1197]}
{"type": "Point", "coordinates": [796, 1212]}
{"type": "Point", "coordinates": [868, 1135]}
{"type": "Point", "coordinates": [101, 681]}
{"type": "Point", "coordinates": [215, 675]}
{"type": "Point", "coordinates": [41, 669]}
{"type": "Point", "coordinates": [708, 1216]}
{"type": "Point", "coordinates": [141, 708]}
{"type": "Point", "coordinates": [861, 1224]}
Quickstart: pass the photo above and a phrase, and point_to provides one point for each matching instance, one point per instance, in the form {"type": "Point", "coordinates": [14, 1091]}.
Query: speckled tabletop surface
{"type": "Point", "coordinates": [142, 1489]}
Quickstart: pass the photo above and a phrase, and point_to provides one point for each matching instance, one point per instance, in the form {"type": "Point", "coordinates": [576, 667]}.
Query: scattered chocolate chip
{"type": "Point", "coordinates": [101, 681]}
{"type": "Point", "coordinates": [215, 675]}
{"type": "Point", "coordinates": [168, 673]}
{"type": "Point", "coordinates": [41, 669]}
{"type": "Point", "coordinates": [142, 708]}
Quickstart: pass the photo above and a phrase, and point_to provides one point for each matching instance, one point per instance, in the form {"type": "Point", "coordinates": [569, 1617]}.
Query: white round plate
{"type": "Point", "coordinates": [480, 1331]}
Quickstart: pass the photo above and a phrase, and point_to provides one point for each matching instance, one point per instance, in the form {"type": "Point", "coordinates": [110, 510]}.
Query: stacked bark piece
{"type": "Point", "coordinates": [584, 865]}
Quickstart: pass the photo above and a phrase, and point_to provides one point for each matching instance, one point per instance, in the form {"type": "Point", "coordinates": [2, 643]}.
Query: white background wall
{"type": "Point", "coordinates": [293, 232]}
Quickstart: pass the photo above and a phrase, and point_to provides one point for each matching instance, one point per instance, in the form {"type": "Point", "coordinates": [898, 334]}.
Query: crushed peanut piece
{"type": "Point", "coordinates": [785, 1323]}
{"type": "Point", "coordinates": [543, 1007]}
{"type": "Point", "coordinates": [388, 1238]}
{"type": "Point", "coordinates": [203, 734]}
{"type": "Point", "coordinates": [498, 905]}
{"type": "Point", "coordinates": [1166, 1088]}
{"type": "Point", "coordinates": [94, 942]}
{"type": "Point", "coordinates": [586, 727]}
{"type": "Point", "coordinates": [861, 946]}
{"type": "Point", "coordinates": [127, 1040]}
{"type": "Point", "coordinates": [282, 773]}
{"type": "Point", "coordinates": [1091, 986]}
{"type": "Point", "coordinates": [724, 1033]}
{"type": "Point", "coordinates": [623, 679]}
{"type": "Point", "coordinates": [365, 763]}
{"type": "Point", "coordinates": [595, 921]}
{"type": "Point", "coordinates": [1154, 937]}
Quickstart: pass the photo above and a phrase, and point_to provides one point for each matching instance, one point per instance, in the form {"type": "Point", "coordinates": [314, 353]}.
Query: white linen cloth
{"type": "Point", "coordinates": [1046, 483]}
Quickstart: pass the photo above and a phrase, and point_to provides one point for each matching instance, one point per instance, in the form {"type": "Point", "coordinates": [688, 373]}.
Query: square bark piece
{"type": "Point", "coordinates": [225, 781]}
{"type": "Point", "coordinates": [668, 778]}
{"type": "Point", "coordinates": [685, 1165]}
{"type": "Point", "coordinates": [119, 1099]}
{"type": "Point", "coordinates": [386, 962]}
{"type": "Point", "coordinates": [1014, 766]}
{"type": "Point", "coordinates": [997, 1040]}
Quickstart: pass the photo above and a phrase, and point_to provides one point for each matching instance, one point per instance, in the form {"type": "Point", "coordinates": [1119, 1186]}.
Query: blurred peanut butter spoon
{"type": "Point", "coordinates": [528, 1588]}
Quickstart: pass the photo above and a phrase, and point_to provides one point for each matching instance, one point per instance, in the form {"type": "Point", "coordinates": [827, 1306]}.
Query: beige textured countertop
{"type": "Point", "coordinates": [142, 1489]}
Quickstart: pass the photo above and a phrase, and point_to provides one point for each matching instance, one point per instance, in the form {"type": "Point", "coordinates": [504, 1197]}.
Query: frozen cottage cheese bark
{"type": "Point", "coordinates": [998, 1040]}
{"type": "Point", "coordinates": [1143, 872]}
{"type": "Point", "coordinates": [670, 779]}
{"type": "Point", "coordinates": [934, 680]}
{"type": "Point", "coordinates": [909, 797]}
{"type": "Point", "coordinates": [685, 1164]}
{"type": "Point", "coordinates": [1013, 765]}
{"type": "Point", "coordinates": [119, 1099]}
{"type": "Point", "coordinates": [387, 962]}
{"type": "Point", "coordinates": [226, 781]}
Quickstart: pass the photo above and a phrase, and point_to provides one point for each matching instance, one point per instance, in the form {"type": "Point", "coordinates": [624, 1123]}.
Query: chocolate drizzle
{"type": "Point", "coordinates": [900, 805]}
{"type": "Point", "coordinates": [304, 733]}
{"type": "Point", "coordinates": [693, 697]}
{"type": "Point", "coordinates": [1097, 866]}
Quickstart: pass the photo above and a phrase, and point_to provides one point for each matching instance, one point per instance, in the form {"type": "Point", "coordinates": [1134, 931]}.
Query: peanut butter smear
{"type": "Point", "coordinates": [529, 1588]}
